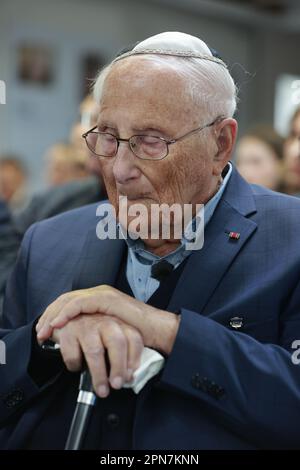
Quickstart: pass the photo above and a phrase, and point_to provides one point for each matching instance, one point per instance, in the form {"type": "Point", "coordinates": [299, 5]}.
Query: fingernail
{"type": "Point", "coordinates": [117, 382]}
{"type": "Point", "coordinates": [103, 391]}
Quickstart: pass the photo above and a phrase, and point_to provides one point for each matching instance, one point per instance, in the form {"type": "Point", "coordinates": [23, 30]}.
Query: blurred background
{"type": "Point", "coordinates": [51, 50]}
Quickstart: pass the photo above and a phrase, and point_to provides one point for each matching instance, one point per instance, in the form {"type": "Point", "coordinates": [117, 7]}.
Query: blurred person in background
{"type": "Point", "coordinates": [4, 212]}
{"type": "Point", "coordinates": [259, 157]}
{"type": "Point", "coordinates": [13, 179]}
{"type": "Point", "coordinates": [66, 163]}
{"type": "Point", "coordinates": [89, 110]}
{"type": "Point", "coordinates": [291, 156]}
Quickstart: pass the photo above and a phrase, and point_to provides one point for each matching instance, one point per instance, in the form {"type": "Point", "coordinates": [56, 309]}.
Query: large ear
{"type": "Point", "coordinates": [225, 133]}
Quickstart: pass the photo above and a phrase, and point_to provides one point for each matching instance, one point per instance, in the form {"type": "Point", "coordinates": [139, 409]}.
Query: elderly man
{"type": "Point", "coordinates": [224, 319]}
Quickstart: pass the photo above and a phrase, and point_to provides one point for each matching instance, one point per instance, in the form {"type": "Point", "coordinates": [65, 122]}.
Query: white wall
{"type": "Point", "coordinates": [34, 118]}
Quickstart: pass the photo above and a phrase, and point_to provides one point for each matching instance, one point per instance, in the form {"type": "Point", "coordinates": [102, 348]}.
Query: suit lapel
{"type": "Point", "coordinates": [99, 263]}
{"type": "Point", "coordinates": [206, 267]}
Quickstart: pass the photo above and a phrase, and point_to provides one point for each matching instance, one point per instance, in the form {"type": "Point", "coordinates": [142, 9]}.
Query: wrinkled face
{"type": "Point", "coordinates": [258, 163]}
{"type": "Point", "coordinates": [140, 97]}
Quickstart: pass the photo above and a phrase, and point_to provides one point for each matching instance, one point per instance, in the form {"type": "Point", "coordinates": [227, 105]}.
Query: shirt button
{"type": "Point", "coordinates": [113, 420]}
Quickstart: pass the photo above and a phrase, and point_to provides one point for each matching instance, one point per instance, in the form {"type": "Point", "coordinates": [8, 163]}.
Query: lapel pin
{"type": "Point", "coordinates": [234, 235]}
{"type": "Point", "coordinates": [236, 322]}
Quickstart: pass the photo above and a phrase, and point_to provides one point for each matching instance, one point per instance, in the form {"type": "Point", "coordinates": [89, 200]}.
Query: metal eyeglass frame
{"type": "Point", "coordinates": [167, 142]}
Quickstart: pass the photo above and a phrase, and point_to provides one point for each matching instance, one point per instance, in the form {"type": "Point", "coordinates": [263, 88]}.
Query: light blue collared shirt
{"type": "Point", "coordinates": [140, 261]}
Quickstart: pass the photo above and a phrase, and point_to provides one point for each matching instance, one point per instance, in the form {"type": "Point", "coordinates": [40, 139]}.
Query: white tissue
{"type": "Point", "coordinates": [151, 363]}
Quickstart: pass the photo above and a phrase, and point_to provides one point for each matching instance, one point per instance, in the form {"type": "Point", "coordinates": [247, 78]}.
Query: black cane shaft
{"type": "Point", "coordinates": [84, 407]}
{"type": "Point", "coordinates": [79, 426]}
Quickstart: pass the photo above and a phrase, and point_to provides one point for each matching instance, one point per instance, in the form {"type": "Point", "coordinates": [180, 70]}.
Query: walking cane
{"type": "Point", "coordinates": [85, 402]}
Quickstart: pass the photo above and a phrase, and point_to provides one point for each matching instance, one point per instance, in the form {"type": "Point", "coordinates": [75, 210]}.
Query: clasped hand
{"type": "Point", "coordinates": [89, 322]}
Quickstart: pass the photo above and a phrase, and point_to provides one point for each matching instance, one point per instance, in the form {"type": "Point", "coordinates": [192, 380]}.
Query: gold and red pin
{"type": "Point", "coordinates": [234, 235]}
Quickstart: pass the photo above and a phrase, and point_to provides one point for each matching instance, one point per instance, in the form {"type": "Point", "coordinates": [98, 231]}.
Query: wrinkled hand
{"type": "Point", "coordinates": [90, 336]}
{"type": "Point", "coordinates": [157, 327]}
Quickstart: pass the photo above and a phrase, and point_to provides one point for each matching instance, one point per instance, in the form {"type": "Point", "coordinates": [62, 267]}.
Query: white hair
{"type": "Point", "coordinates": [209, 84]}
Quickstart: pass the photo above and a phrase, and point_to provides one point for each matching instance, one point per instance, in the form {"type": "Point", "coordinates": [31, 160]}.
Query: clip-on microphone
{"type": "Point", "coordinates": [161, 270]}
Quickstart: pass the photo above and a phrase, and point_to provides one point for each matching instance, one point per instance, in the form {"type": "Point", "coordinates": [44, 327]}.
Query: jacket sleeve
{"type": "Point", "coordinates": [21, 374]}
{"type": "Point", "coordinates": [251, 387]}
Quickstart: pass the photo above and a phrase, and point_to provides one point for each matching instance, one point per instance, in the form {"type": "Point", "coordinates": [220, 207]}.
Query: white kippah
{"type": "Point", "coordinates": [175, 44]}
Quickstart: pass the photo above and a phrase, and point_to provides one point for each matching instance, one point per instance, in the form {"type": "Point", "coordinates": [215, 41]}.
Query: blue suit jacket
{"type": "Point", "coordinates": [221, 388]}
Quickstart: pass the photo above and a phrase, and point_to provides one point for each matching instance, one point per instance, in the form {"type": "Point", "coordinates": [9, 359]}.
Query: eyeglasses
{"type": "Point", "coordinates": [146, 147]}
